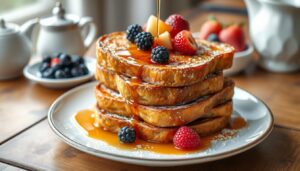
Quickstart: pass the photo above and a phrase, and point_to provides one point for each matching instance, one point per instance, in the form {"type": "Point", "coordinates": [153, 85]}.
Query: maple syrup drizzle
{"type": "Point", "coordinates": [85, 118]}
{"type": "Point", "coordinates": [158, 16]}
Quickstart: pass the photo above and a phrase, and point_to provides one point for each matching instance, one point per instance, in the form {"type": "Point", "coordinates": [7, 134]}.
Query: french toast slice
{"type": "Point", "coordinates": [162, 116]}
{"type": "Point", "coordinates": [216, 120]}
{"type": "Point", "coordinates": [148, 94]}
{"type": "Point", "coordinates": [116, 53]}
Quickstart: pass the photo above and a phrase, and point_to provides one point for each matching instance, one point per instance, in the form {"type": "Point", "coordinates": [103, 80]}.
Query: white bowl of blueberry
{"type": "Point", "coordinates": [61, 70]}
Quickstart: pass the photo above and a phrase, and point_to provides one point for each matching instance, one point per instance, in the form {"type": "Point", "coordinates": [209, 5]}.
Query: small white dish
{"type": "Point", "coordinates": [240, 61]}
{"type": "Point", "coordinates": [61, 120]}
{"type": "Point", "coordinates": [32, 72]}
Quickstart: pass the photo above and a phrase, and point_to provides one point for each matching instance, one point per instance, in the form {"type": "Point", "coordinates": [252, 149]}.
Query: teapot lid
{"type": "Point", "coordinates": [7, 28]}
{"type": "Point", "coordinates": [59, 19]}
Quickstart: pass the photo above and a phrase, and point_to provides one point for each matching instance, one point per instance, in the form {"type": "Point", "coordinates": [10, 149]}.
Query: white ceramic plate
{"type": "Point", "coordinates": [61, 120]}
{"type": "Point", "coordinates": [32, 72]}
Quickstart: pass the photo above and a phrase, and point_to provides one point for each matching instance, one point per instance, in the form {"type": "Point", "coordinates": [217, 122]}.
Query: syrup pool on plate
{"type": "Point", "coordinates": [85, 118]}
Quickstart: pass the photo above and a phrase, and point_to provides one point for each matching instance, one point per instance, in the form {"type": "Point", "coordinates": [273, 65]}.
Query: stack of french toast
{"type": "Point", "coordinates": [156, 99]}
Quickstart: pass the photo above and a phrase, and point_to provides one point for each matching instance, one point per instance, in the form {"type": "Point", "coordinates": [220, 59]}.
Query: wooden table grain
{"type": "Point", "coordinates": [26, 140]}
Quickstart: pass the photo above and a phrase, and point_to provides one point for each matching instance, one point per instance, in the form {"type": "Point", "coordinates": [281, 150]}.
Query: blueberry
{"type": "Point", "coordinates": [49, 73]}
{"type": "Point", "coordinates": [65, 59]}
{"type": "Point", "coordinates": [60, 74]}
{"type": "Point", "coordinates": [127, 135]}
{"type": "Point", "coordinates": [77, 71]}
{"type": "Point", "coordinates": [213, 38]}
{"type": "Point", "coordinates": [84, 69]}
{"type": "Point", "coordinates": [77, 60]}
{"type": "Point", "coordinates": [44, 66]}
{"type": "Point", "coordinates": [47, 59]}
{"type": "Point", "coordinates": [57, 67]}
{"type": "Point", "coordinates": [67, 72]}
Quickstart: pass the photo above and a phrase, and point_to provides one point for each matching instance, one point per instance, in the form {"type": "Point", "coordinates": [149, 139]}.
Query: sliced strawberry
{"type": "Point", "coordinates": [185, 43]}
{"type": "Point", "coordinates": [234, 36]}
{"type": "Point", "coordinates": [178, 24]}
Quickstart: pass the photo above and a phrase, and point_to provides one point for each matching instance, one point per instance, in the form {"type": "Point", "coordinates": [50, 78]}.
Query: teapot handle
{"type": "Point", "coordinates": [89, 38]}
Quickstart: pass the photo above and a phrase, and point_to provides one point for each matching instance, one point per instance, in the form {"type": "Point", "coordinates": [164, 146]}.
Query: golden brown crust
{"type": "Point", "coordinates": [148, 94]}
{"type": "Point", "coordinates": [112, 122]}
{"type": "Point", "coordinates": [181, 71]}
{"type": "Point", "coordinates": [162, 116]}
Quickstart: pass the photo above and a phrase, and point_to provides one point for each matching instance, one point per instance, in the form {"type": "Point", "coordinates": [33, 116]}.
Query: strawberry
{"type": "Point", "coordinates": [185, 43]}
{"type": "Point", "coordinates": [186, 138]}
{"type": "Point", "coordinates": [54, 61]}
{"type": "Point", "coordinates": [234, 36]}
{"type": "Point", "coordinates": [209, 27]}
{"type": "Point", "coordinates": [178, 24]}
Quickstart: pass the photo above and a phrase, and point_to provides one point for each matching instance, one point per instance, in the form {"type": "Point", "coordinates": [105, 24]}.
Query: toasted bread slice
{"type": "Point", "coordinates": [113, 122]}
{"type": "Point", "coordinates": [162, 116]}
{"type": "Point", "coordinates": [147, 94]}
{"type": "Point", "coordinates": [116, 53]}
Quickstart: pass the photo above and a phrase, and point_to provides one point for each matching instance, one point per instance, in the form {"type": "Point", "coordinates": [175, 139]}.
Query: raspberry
{"type": "Point", "coordinates": [132, 31]}
{"type": "Point", "coordinates": [127, 135]}
{"type": "Point", "coordinates": [160, 54]}
{"type": "Point", "coordinates": [178, 24]}
{"type": "Point", "coordinates": [186, 138]}
{"type": "Point", "coordinates": [144, 40]}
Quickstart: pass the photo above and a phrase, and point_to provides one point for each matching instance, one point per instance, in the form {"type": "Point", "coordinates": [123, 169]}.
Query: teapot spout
{"type": "Point", "coordinates": [252, 6]}
{"type": "Point", "coordinates": [27, 28]}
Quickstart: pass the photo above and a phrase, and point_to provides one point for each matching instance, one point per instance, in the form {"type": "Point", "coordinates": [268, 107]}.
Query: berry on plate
{"type": "Point", "coordinates": [160, 54]}
{"type": "Point", "coordinates": [163, 39]}
{"type": "Point", "coordinates": [144, 40]}
{"type": "Point", "coordinates": [185, 43]}
{"type": "Point", "coordinates": [132, 31]}
{"type": "Point", "coordinates": [127, 135]}
{"type": "Point", "coordinates": [209, 27]}
{"type": "Point", "coordinates": [178, 23]}
{"type": "Point", "coordinates": [234, 36]}
{"type": "Point", "coordinates": [152, 26]}
{"type": "Point", "coordinates": [186, 138]}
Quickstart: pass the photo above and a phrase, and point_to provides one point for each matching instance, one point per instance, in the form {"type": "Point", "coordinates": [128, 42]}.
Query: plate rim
{"type": "Point", "coordinates": [114, 156]}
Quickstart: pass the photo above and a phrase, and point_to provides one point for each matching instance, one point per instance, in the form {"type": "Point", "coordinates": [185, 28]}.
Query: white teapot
{"type": "Point", "coordinates": [275, 32]}
{"type": "Point", "coordinates": [63, 33]}
{"type": "Point", "coordinates": [15, 49]}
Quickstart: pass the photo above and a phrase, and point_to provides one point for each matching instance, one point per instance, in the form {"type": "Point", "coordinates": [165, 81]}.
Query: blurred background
{"type": "Point", "coordinates": [109, 15]}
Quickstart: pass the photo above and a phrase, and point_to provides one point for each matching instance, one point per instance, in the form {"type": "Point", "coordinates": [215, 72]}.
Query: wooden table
{"type": "Point", "coordinates": [27, 141]}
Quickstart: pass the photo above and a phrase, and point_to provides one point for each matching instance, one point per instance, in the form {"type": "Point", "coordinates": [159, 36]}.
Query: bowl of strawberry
{"type": "Point", "coordinates": [212, 30]}
{"type": "Point", "coordinates": [61, 70]}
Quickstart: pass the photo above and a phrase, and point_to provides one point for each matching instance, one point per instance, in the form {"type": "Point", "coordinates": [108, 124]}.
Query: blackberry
{"type": "Point", "coordinates": [213, 38]}
{"type": "Point", "coordinates": [132, 31]}
{"type": "Point", "coordinates": [127, 135]}
{"type": "Point", "coordinates": [160, 54]}
{"type": "Point", "coordinates": [144, 40]}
